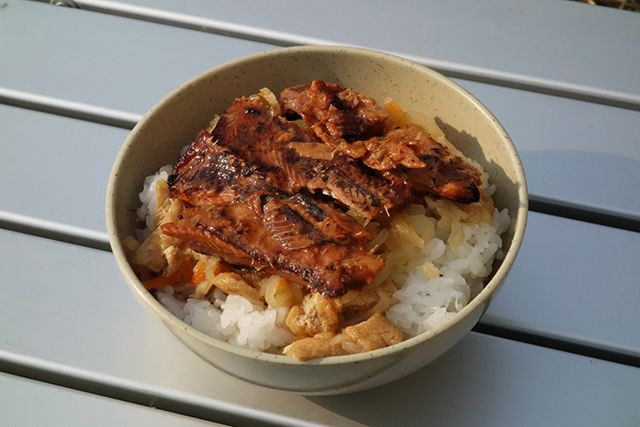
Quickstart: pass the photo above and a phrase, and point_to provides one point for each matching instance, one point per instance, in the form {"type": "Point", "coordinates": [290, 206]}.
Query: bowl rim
{"type": "Point", "coordinates": [483, 297]}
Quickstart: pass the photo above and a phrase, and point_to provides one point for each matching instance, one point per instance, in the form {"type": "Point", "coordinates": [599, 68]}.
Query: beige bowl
{"type": "Point", "coordinates": [174, 121]}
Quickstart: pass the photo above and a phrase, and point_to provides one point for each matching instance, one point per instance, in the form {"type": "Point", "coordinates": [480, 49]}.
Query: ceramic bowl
{"type": "Point", "coordinates": [173, 122]}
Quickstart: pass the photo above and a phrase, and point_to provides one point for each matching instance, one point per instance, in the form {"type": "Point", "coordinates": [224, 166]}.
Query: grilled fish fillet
{"type": "Point", "coordinates": [335, 114]}
{"type": "Point", "coordinates": [250, 189]}
{"type": "Point", "coordinates": [351, 124]}
{"type": "Point", "coordinates": [232, 211]}
{"type": "Point", "coordinates": [292, 160]}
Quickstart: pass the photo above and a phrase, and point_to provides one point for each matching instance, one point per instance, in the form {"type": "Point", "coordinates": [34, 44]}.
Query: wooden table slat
{"type": "Point", "coordinates": [29, 403]}
{"type": "Point", "coordinates": [546, 44]}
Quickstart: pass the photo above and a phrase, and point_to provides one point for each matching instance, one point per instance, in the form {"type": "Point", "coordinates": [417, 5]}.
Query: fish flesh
{"type": "Point", "coordinates": [230, 210]}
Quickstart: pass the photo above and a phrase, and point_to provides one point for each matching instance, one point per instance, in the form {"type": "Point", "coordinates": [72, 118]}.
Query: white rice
{"type": "Point", "coordinates": [424, 303]}
{"type": "Point", "coordinates": [148, 199]}
{"type": "Point", "coordinates": [232, 318]}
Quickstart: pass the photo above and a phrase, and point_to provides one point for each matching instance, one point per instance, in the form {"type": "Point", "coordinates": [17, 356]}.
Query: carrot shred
{"type": "Point", "coordinates": [199, 274]}
{"type": "Point", "coordinates": [396, 114]}
{"type": "Point", "coordinates": [185, 272]}
{"type": "Point", "coordinates": [162, 281]}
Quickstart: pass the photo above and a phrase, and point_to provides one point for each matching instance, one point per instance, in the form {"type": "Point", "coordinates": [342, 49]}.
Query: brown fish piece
{"type": "Point", "coordinates": [232, 211]}
{"type": "Point", "coordinates": [335, 114]}
{"type": "Point", "coordinates": [351, 124]}
{"type": "Point", "coordinates": [292, 160]}
{"type": "Point", "coordinates": [427, 165]}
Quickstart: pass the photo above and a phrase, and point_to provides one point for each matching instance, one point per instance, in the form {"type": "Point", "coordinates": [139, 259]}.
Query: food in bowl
{"type": "Point", "coordinates": [317, 224]}
{"type": "Point", "coordinates": [159, 136]}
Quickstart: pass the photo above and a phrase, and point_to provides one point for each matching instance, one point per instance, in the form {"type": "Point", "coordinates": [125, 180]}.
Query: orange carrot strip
{"type": "Point", "coordinates": [162, 281]}
{"type": "Point", "coordinates": [199, 274]}
{"type": "Point", "coordinates": [185, 272]}
{"type": "Point", "coordinates": [396, 114]}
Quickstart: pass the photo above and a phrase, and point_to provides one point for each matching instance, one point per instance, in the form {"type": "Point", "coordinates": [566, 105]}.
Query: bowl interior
{"type": "Point", "coordinates": [172, 123]}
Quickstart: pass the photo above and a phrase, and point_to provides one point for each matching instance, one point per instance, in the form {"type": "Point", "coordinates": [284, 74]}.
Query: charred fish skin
{"type": "Point", "coordinates": [205, 173]}
{"type": "Point", "coordinates": [336, 115]}
{"type": "Point", "coordinates": [428, 166]}
{"type": "Point", "coordinates": [217, 176]}
{"type": "Point", "coordinates": [232, 212]}
{"type": "Point", "coordinates": [351, 124]}
{"type": "Point", "coordinates": [293, 161]}
{"type": "Point", "coordinates": [251, 188]}
{"type": "Point", "coordinates": [235, 234]}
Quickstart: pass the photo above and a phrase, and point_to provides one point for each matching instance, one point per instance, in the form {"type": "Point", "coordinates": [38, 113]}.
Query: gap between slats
{"type": "Point", "coordinates": [54, 231]}
{"type": "Point", "coordinates": [582, 213]}
{"type": "Point", "coordinates": [72, 109]}
{"type": "Point", "coordinates": [581, 349]}
{"type": "Point", "coordinates": [278, 38]}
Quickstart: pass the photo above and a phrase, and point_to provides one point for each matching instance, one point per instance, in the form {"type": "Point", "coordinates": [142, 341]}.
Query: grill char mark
{"type": "Point", "coordinates": [249, 196]}
{"type": "Point", "coordinates": [350, 124]}
{"type": "Point", "coordinates": [231, 211]}
{"type": "Point", "coordinates": [277, 148]}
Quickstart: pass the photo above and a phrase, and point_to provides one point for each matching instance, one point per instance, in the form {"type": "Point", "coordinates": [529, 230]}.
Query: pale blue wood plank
{"type": "Point", "coordinates": [575, 282]}
{"type": "Point", "coordinates": [29, 403]}
{"type": "Point", "coordinates": [549, 44]}
{"type": "Point", "coordinates": [115, 63]}
{"type": "Point", "coordinates": [56, 170]}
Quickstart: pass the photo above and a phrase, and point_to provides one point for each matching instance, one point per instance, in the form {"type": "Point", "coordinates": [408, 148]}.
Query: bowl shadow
{"type": "Point", "coordinates": [473, 372]}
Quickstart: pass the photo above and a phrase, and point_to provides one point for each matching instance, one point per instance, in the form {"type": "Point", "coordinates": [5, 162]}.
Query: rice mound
{"type": "Point", "coordinates": [442, 265]}
{"type": "Point", "coordinates": [232, 318]}
{"type": "Point", "coordinates": [149, 199]}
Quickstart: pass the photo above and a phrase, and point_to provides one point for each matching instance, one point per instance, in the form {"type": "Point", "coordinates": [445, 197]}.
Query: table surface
{"type": "Point", "coordinates": [558, 346]}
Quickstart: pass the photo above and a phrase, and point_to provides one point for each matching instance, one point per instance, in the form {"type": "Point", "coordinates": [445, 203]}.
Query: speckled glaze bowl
{"type": "Point", "coordinates": [173, 122]}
